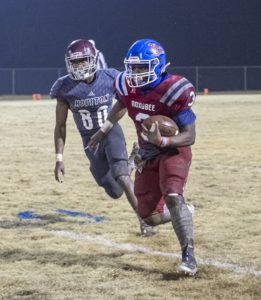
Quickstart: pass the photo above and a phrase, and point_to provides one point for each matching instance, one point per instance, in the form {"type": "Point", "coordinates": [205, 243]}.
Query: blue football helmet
{"type": "Point", "coordinates": [144, 63]}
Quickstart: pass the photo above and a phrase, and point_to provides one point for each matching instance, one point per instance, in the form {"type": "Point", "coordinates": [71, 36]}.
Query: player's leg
{"type": "Point", "coordinates": [173, 175]}
{"type": "Point", "coordinates": [151, 205]}
{"type": "Point", "coordinates": [118, 160]}
{"type": "Point", "coordinates": [116, 154]}
{"type": "Point", "coordinates": [101, 172]}
{"type": "Point", "coordinates": [110, 185]}
{"type": "Point", "coordinates": [160, 214]}
{"type": "Point", "coordinates": [128, 187]}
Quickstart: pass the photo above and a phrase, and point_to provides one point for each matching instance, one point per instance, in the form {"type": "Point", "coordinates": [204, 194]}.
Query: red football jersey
{"type": "Point", "coordinates": [171, 96]}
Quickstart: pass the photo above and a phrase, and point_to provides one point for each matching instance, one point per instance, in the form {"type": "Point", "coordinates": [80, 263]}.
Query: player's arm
{"type": "Point", "coordinates": [59, 138]}
{"type": "Point", "coordinates": [186, 136]}
{"type": "Point", "coordinates": [185, 119]}
{"type": "Point", "coordinates": [117, 112]}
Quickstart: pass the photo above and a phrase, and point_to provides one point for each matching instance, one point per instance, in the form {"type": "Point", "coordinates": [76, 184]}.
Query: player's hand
{"type": "Point", "coordinates": [95, 140]}
{"type": "Point", "coordinates": [59, 171]}
{"type": "Point", "coordinates": [153, 135]}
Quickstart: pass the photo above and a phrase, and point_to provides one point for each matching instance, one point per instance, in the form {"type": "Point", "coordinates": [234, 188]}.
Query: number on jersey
{"type": "Point", "coordinates": [102, 113]}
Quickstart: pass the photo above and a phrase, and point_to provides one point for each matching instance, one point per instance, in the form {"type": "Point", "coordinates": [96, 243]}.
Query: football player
{"type": "Point", "coordinates": [88, 93]}
{"type": "Point", "coordinates": [146, 89]}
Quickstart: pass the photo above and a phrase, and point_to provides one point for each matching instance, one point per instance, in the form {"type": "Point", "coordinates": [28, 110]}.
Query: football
{"type": "Point", "coordinates": [167, 126]}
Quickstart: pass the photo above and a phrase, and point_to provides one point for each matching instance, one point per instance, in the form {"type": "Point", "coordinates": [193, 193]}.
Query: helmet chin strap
{"type": "Point", "coordinates": [151, 85]}
{"type": "Point", "coordinates": [165, 67]}
{"type": "Point", "coordinates": [156, 82]}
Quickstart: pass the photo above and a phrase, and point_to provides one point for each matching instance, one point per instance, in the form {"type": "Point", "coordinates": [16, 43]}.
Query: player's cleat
{"type": "Point", "coordinates": [145, 229]}
{"type": "Point", "coordinates": [189, 264]}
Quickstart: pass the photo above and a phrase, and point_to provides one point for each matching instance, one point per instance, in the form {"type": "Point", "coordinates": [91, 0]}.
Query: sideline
{"type": "Point", "coordinates": [135, 248]}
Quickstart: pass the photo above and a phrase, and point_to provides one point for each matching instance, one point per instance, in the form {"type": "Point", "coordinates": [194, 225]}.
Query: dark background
{"type": "Point", "coordinates": [35, 33]}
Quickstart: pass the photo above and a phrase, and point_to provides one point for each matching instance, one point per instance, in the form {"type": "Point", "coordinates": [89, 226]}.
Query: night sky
{"type": "Point", "coordinates": [35, 33]}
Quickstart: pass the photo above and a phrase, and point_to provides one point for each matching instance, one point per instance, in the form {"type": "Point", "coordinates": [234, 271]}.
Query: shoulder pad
{"type": "Point", "coordinates": [55, 89]}
{"type": "Point", "coordinates": [175, 90]}
{"type": "Point", "coordinates": [110, 72]}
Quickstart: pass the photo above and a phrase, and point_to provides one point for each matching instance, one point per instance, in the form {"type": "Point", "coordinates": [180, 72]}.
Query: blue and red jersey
{"type": "Point", "coordinates": [172, 97]}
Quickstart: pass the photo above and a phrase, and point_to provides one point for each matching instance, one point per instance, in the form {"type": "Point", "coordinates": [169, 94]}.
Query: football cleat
{"type": "Point", "coordinates": [145, 229]}
{"type": "Point", "coordinates": [189, 264]}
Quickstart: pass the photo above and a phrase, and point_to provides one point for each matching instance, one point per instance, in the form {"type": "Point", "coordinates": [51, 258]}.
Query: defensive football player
{"type": "Point", "coordinates": [88, 93]}
{"type": "Point", "coordinates": [146, 89]}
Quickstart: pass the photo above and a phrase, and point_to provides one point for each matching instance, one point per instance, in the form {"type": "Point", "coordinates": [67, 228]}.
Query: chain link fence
{"type": "Point", "coordinates": [220, 78]}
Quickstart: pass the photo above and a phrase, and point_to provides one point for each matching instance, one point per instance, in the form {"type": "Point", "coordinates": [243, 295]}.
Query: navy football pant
{"type": "Point", "coordinates": [110, 161]}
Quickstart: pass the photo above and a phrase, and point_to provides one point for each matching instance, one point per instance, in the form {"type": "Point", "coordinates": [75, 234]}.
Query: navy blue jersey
{"type": "Point", "coordinates": [89, 103]}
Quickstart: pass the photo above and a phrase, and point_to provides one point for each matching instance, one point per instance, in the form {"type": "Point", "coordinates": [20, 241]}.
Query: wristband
{"type": "Point", "coordinates": [106, 127]}
{"type": "Point", "coordinates": [59, 157]}
{"type": "Point", "coordinates": [164, 142]}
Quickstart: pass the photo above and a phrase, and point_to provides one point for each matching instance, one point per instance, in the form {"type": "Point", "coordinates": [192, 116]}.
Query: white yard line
{"type": "Point", "coordinates": [135, 248]}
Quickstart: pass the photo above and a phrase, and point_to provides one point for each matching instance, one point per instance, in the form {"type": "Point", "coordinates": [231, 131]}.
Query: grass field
{"type": "Point", "coordinates": [53, 255]}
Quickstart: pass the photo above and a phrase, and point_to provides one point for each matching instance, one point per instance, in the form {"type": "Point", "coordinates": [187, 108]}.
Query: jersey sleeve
{"type": "Point", "coordinates": [112, 73]}
{"type": "Point", "coordinates": [184, 118]}
{"type": "Point", "coordinates": [180, 96]}
{"type": "Point", "coordinates": [55, 92]}
{"type": "Point", "coordinates": [120, 87]}
{"type": "Point", "coordinates": [183, 100]}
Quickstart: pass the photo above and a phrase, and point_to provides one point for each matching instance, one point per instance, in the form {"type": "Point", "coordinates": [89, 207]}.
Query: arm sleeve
{"type": "Point", "coordinates": [184, 118]}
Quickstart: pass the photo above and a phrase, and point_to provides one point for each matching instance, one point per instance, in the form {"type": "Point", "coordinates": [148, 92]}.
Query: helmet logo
{"type": "Point", "coordinates": [157, 50]}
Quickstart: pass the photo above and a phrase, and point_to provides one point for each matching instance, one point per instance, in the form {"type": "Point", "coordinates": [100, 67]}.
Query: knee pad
{"type": "Point", "coordinates": [119, 168]}
{"type": "Point", "coordinates": [113, 192]}
{"type": "Point", "coordinates": [174, 200]}
{"type": "Point", "coordinates": [111, 186]}
{"type": "Point", "coordinates": [123, 179]}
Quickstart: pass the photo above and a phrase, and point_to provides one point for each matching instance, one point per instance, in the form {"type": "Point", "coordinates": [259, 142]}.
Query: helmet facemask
{"type": "Point", "coordinates": [140, 72]}
{"type": "Point", "coordinates": [80, 66]}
